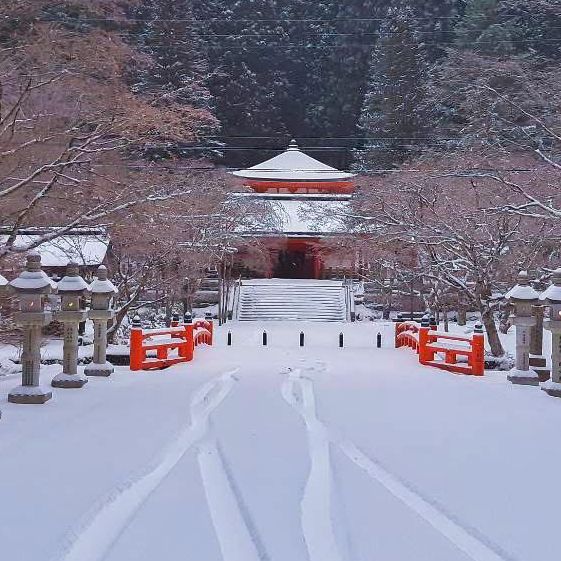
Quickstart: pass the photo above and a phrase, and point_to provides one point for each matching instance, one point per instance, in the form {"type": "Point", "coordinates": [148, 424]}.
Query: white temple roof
{"type": "Point", "coordinates": [84, 249]}
{"type": "Point", "coordinates": [293, 165]}
{"type": "Point", "coordinates": [302, 216]}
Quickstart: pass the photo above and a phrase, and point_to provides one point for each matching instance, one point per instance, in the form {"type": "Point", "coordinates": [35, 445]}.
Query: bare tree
{"type": "Point", "coordinates": [460, 247]}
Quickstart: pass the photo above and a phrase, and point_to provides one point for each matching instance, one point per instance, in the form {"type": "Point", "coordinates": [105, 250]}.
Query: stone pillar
{"type": "Point", "coordinates": [31, 287]}
{"type": "Point", "coordinates": [536, 332]}
{"type": "Point", "coordinates": [552, 298]}
{"type": "Point", "coordinates": [523, 297]}
{"type": "Point", "coordinates": [538, 362]}
{"type": "Point", "coordinates": [102, 291]}
{"type": "Point", "coordinates": [72, 289]}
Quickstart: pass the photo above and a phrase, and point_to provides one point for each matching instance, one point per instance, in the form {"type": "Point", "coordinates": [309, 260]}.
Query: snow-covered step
{"type": "Point", "coordinates": [289, 300]}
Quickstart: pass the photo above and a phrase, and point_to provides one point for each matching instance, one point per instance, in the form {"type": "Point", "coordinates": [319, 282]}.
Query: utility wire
{"type": "Point", "coordinates": [263, 20]}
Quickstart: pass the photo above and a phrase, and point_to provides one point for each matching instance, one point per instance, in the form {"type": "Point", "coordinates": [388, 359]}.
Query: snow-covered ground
{"type": "Point", "coordinates": [282, 453]}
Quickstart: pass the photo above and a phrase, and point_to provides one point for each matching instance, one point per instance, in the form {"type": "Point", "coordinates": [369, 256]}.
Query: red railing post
{"type": "Point", "coordinates": [188, 350]}
{"type": "Point", "coordinates": [424, 353]}
{"type": "Point", "coordinates": [478, 351]}
{"type": "Point", "coordinates": [136, 350]}
{"type": "Point", "coordinates": [210, 328]}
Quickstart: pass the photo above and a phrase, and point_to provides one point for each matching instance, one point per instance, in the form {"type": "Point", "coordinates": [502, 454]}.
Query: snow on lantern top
{"type": "Point", "coordinates": [522, 292]}
{"type": "Point", "coordinates": [72, 282]}
{"type": "Point", "coordinates": [33, 278]}
{"type": "Point", "coordinates": [553, 293]}
{"type": "Point", "coordinates": [102, 285]}
{"type": "Point", "coordinates": [293, 165]}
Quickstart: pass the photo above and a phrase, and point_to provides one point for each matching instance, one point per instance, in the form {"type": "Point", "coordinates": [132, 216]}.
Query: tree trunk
{"type": "Point", "coordinates": [117, 321]}
{"type": "Point", "coordinates": [462, 316]}
{"type": "Point", "coordinates": [492, 334]}
{"type": "Point", "coordinates": [446, 322]}
{"type": "Point", "coordinates": [504, 322]}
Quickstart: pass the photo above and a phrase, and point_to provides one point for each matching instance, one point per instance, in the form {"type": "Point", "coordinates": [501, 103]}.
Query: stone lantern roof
{"type": "Point", "coordinates": [522, 292]}
{"type": "Point", "coordinates": [293, 165]}
{"type": "Point", "coordinates": [33, 279]}
{"type": "Point", "coordinates": [102, 285]}
{"type": "Point", "coordinates": [553, 294]}
{"type": "Point", "coordinates": [72, 282]}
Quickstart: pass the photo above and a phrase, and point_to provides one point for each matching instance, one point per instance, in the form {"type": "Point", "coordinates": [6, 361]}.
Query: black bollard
{"type": "Point", "coordinates": [229, 338]}
{"type": "Point", "coordinates": [302, 339]}
{"type": "Point", "coordinates": [341, 340]}
{"type": "Point", "coordinates": [264, 338]}
{"type": "Point", "coordinates": [379, 341]}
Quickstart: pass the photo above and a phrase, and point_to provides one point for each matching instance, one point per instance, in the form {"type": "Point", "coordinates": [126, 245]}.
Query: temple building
{"type": "Point", "coordinates": [306, 203]}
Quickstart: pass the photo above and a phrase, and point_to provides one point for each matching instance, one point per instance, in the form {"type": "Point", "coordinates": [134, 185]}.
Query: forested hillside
{"type": "Point", "coordinates": [367, 83]}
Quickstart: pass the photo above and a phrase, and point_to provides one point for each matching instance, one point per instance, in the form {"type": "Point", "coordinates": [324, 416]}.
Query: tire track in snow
{"type": "Point", "coordinates": [317, 523]}
{"type": "Point", "coordinates": [94, 539]}
{"type": "Point", "coordinates": [234, 529]}
{"type": "Point", "coordinates": [476, 548]}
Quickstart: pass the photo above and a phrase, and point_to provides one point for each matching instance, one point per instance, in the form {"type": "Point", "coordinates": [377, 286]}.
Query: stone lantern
{"type": "Point", "coordinates": [552, 298]}
{"type": "Point", "coordinates": [102, 291]}
{"type": "Point", "coordinates": [31, 286]}
{"type": "Point", "coordinates": [523, 298]}
{"type": "Point", "coordinates": [72, 289]}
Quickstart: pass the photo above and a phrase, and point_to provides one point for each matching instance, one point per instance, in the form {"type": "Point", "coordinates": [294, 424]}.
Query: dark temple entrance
{"type": "Point", "coordinates": [297, 261]}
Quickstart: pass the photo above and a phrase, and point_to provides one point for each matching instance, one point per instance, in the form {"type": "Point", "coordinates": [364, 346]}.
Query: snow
{"type": "Point", "coordinates": [551, 385]}
{"type": "Point", "coordinates": [522, 292]}
{"type": "Point", "coordinates": [304, 216]}
{"type": "Point", "coordinates": [84, 249]}
{"type": "Point", "coordinates": [551, 295]}
{"type": "Point", "coordinates": [281, 452]}
{"type": "Point", "coordinates": [72, 284]}
{"type": "Point", "coordinates": [293, 165]}
{"type": "Point", "coordinates": [3, 281]}
{"type": "Point", "coordinates": [33, 280]}
{"type": "Point", "coordinates": [102, 287]}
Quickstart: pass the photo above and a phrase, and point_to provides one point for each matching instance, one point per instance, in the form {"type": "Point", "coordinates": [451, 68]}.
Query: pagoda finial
{"type": "Point", "coordinates": [293, 145]}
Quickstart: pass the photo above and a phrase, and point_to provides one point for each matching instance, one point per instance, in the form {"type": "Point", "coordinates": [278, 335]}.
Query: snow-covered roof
{"type": "Point", "coordinates": [84, 249]}
{"type": "Point", "coordinates": [523, 290]}
{"type": "Point", "coordinates": [303, 216]}
{"type": "Point", "coordinates": [33, 278]}
{"type": "Point", "coordinates": [102, 285]}
{"type": "Point", "coordinates": [293, 165]}
{"type": "Point", "coordinates": [553, 293]}
{"type": "Point", "coordinates": [72, 282]}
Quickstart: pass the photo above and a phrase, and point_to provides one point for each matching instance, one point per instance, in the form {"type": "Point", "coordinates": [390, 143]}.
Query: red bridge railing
{"type": "Point", "coordinates": [172, 345]}
{"type": "Point", "coordinates": [441, 350]}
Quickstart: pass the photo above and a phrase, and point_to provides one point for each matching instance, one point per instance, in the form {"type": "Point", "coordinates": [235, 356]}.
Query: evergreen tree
{"type": "Point", "coordinates": [242, 39]}
{"type": "Point", "coordinates": [392, 117]}
{"type": "Point", "coordinates": [481, 29]}
{"type": "Point", "coordinates": [179, 71]}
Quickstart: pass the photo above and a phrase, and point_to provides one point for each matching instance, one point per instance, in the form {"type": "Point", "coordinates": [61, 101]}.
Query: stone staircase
{"type": "Point", "coordinates": [278, 299]}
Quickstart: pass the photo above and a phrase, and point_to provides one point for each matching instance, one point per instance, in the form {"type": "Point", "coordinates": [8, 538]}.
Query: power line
{"type": "Point", "coordinates": [259, 20]}
{"type": "Point", "coordinates": [208, 169]}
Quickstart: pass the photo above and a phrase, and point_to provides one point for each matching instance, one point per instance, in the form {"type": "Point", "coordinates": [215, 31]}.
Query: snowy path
{"type": "Point", "coordinates": [314, 454]}
{"type": "Point", "coordinates": [94, 539]}
{"type": "Point", "coordinates": [317, 519]}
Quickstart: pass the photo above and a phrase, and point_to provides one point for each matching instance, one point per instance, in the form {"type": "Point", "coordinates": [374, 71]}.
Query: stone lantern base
{"type": "Point", "coordinates": [99, 369]}
{"type": "Point", "coordinates": [63, 380]}
{"type": "Point", "coordinates": [523, 377]}
{"type": "Point", "coordinates": [538, 364]}
{"type": "Point", "coordinates": [551, 388]}
{"type": "Point", "coordinates": [33, 395]}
